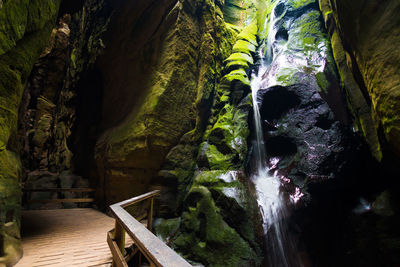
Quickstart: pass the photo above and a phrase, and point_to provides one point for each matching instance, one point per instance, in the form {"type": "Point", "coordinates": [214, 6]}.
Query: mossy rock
{"type": "Point", "coordinates": [166, 228]}
{"type": "Point", "coordinates": [214, 159]}
{"type": "Point", "coordinates": [182, 66]}
{"type": "Point", "coordinates": [242, 46]}
{"type": "Point", "coordinates": [228, 189]}
{"type": "Point", "coordinates": [25, 28]}
{"type": "Point", "coordinates": [203, 232]}
{"type": "Point", "coordinates": [20, 17]}
{"type": "Point", "coordinates": [225, 147]}
{"type": "Point", "coordinates": [238, 75]}
{"type": "Point", "coordinates": [238, 12]}
{"type": "Point", "coordinates": [249, 33]}
{"type": "Point", "coordinates": [295, 4]}
{"type": "Point", "coordinates": [240, 57]}
{"type": "Point", "coordinates": [237, 29]}
{"type": "Point", "coordinates": [236, 64]}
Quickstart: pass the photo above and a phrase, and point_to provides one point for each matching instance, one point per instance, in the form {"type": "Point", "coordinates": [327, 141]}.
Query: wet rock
{"type": "Point", "coordinates": [304, 116]}
{"type": "Point", "coordinates": [306, 143]}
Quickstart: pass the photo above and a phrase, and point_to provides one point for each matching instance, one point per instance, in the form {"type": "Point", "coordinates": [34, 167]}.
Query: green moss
{"type": "Point", "coordinates": [203, 232]}
{"type": "Point", "coordinates": [226, 140]}
{"type": "Point", "coordinates": [247, 37]}
{"type": "Point", "coordinates": [240, 57]}
{"type": "Point", "coordinates": [238, 75]}
{"type": "Point", "coordinates": [218, 180]}
{"type": "Point", "coordinates": [286, 76]}
{"type": "Point", "coordinates": [19, 17]}
{"type": "Point", "coordinates": [252, 28]}
{"type": "Point", "coordinates": [25, 28]}
{"type": "Point", "coordinates": [300, 3]}
{"type": "Point", "coordinates": [323, 83]}
{"type": "Point", "coordinates": [40, 12]}
{"type": "Point", "coordinates": [236, 64]}
{"type": "Point", "coordinates": [204, 229]}
{"type": "Point", "coordinates": [233, 27]}
{"type": "Point", "coordinates": [166, 229]}
{"type": "Point", "coordinates": [356, 100]}
{"type": "Point", "coordinates": [307, 33]}
{"type": "Point", "coordinates": [242, 46]}
{"type": "Point", "coordinates": [216, 159]}
{"type": "Point", "coordinates": [14, 18]}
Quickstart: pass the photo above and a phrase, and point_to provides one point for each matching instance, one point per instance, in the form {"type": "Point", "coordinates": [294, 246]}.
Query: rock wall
{"type": "Point", "coordinates": [209, 190]}
{"type": "Point", "coordinates": [364, 37]}
{"type": "Point", "coordinates": [54, 135]}
{"type": "Point", "coordinates": [304, 113]}
{"type": "Point", "coordinates": [25, 29]}
{"type": "Point", "coordinates": [159, 73]}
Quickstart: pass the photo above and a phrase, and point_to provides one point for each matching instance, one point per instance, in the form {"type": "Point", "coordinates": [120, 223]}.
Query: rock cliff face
{"type": "Point", "coordinates": [53, 118]}
{"type": "Point", "coordinates": [364, 36]}
{"type": "Point", "coordinates": [159, 73]}
{"type": "Point", "coordinates": [24, 32]}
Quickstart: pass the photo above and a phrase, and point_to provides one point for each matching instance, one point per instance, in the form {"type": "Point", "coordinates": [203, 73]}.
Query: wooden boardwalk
{"type": "Point", "coordinates": [66, 237]}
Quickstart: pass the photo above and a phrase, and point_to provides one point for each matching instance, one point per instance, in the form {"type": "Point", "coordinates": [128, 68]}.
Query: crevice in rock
{"type": "Point", "coordinates": [9, 216]}
{"type": "Point", "coordinates": [282, 34]}
{"type": "Point", "coordinates": [323, 122]}
{"type": "Point", "coordinates": [279, 9]}
{"type": "Point", "coordinates": [277, 101]}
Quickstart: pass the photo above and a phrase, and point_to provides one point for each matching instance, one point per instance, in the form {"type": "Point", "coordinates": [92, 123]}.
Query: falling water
{"type": "Point", "coordinates": [269, 196]}
{"type": "Point", "coordinates": [270, 39]}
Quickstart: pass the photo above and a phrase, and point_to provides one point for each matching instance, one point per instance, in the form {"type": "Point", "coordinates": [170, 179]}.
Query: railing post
{"type": "Point", "coordinates": [150, 215]}
{"type": "Point", "coordinates": [119, 237]}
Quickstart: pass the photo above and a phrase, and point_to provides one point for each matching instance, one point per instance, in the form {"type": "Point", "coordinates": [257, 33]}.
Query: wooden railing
{"type": "Point", "coordinates": [146, 243]}
{"type": "Point", "coordinates": [59, 200]}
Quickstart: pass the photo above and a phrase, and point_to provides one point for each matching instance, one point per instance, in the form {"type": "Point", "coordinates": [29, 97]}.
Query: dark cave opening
{"type": "Point", "coordinates": [277, 101]}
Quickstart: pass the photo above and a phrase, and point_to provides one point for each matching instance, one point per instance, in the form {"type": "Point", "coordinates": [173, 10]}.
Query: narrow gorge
{"type": "Point", "coordinates": [270, 127]}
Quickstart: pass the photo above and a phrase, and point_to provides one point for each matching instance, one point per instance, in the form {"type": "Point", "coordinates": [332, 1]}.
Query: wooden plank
{"type": "Point", "coordinates": [119, 237]}
{"type": "Point", "coordinates": [137, 199]}
{"type": "Point", "coordinates": [63, 200]}
{"type": "Point", "coordinates": [59, 190]}
{"type": "Point", "coordinates": [117, 255]}
{"type": "Point", "coordinates": [66, 237]}
{"type": "Point", "coordinates": [150, 218]}
{"type": "Point", "coordinates": [156, 251]}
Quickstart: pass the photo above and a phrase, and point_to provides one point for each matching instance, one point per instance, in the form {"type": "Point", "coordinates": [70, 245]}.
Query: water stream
{"type": "Point", "coordinates": [272, 202]}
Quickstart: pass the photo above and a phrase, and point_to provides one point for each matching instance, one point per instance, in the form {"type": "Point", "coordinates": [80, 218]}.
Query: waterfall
{"type": "Point", "coordinates": [281, 249]}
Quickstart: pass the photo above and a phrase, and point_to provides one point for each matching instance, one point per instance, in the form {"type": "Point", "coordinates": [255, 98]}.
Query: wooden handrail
{"type": "Point", "coordinates": [137, 199]}
{"type": "Point", "coordinates": [156, 252]}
